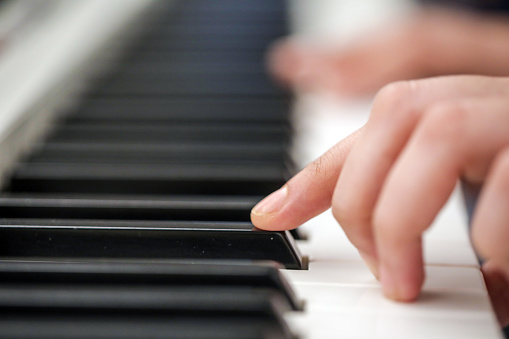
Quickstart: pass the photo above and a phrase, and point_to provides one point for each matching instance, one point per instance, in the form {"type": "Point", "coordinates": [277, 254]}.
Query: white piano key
{"type": "Point", "coordinates": [353, 274]}
{"type": "Point", "coordinates": [445, 243]}
{"type": "Point", "coordinates": [326, 240]}
{"type": "Point", "coordinates": [344, 300]}
{"type": "Point", "coordinates": [360, 325]}
{"type": "Point", "coordinates": [369, 301]}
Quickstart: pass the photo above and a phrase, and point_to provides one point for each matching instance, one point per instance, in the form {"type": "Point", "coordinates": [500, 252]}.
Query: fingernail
{"type": "Point", "coordinates": [271, 204]}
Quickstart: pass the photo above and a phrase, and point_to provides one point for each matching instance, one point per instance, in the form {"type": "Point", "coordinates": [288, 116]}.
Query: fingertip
{"type": "Point", "coordinates": [399, 289]}
{"type": "Point", "coordinates": [273, 203]}
{"type": "Point", "coordinates": [264, 214]}
{"type": "Point", "coordinates": [307, 194]}
{"type": "Point", "coordinates": [402, 271]}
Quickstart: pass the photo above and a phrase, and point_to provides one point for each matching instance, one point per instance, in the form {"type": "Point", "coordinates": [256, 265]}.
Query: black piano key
{"type": "Point", "coordinates": [169, 300]}
{"type": "Point", "coordinates": [114, 185]}
{"type": "Point", "coordinates": [147, 179]}
{"type": "Point", "coordinates": [168, 133]}
{"type": "Point", "coordinates": [200, 208]}
{"type": "Point", "coordinates": [183, 28]}
{"type": "Point", "coordinates": [298, 235]}
{"type": "Point", "coordinates": [121, 159]}
{"type": "Point", "coordinates": [241, 12]}
{"type": "Point", "coordinates": [210, 40]}
{"type": "Point", "coordinates": [163, 39]}
{"type": "Point", "coordinates": [197, 273]}
{"type": "Point", "coordinates": [203, 44]}
{"type": "Point", "coordinates": [197, 152]}
{"type": "Point", "coordinates": [47, 238]}
{"type": "Point", "coordinates": [181, 109]}
{"type": "Point", "coordinates": [234, 173]}
{"type": "Point", "coordinates": [149, 71]}
{"type": "Point", "coordinates": [158, 312]}
{"type": "Point", "coordinates": [93, 325]}
{"type": "Point", "coordinates": [259, 7]}
{"type": "Point", "coordinates": [188, 208]}
{"type": "Point", "coordinates": [141, 56]}
{"type": "Point", "coordinates": [196, 84]}
{"type": "Point", "coordinates": [201, 17]}
{"type": "Point", "coordinates": [130, 208]}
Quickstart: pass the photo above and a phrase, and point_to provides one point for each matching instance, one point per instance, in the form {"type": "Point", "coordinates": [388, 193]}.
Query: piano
{"type": "Point", "coordinates": [136, 135]}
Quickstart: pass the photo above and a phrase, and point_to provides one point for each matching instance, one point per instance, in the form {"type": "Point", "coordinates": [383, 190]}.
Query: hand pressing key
{"type": "Point", "coordinates": [387, 181]}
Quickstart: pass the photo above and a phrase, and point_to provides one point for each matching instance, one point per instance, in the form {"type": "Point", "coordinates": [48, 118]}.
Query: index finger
{"type": "Point", "coordinates": [307, 194]}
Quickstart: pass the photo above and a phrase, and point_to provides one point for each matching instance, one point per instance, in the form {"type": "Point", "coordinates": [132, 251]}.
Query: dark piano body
{"type": "Point", "coordinates": [131, 219]}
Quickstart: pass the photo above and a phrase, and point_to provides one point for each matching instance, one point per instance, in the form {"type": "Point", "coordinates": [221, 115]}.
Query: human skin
{"type": "Point", "coordinates": [431, 42]}
{"type": "Point", "coordinates": [387, 181]}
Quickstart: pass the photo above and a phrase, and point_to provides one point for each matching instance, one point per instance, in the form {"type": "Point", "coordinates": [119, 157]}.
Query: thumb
{"type": "Point", "coordinates": [307, 194]}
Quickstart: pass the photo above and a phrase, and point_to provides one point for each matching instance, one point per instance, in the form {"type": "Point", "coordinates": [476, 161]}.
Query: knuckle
{"type": "Point", "coordinates": [349, 211]}
{"type": "Point", "coordinates": [341, 212]}
{"type": "Point", "coordinates": [393, 102]}
{"type": "Point", "coordinates": [391, 95]}
{"type": "Point", "coordinates": [444, 123]}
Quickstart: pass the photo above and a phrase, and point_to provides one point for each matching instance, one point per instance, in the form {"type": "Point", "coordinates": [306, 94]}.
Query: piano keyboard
{"type": "Point", "coordinates": [131, 218]}
{"type": "Point", "coordinates": [119, 223]}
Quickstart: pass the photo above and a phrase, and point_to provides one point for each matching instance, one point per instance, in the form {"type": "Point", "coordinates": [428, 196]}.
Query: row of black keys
{"type": "Point", "coordinates": [94, 299]}
{"type": "Point", "coordinates": [155, 171]}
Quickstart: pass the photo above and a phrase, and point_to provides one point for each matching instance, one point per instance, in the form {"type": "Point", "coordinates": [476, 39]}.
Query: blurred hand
{"type": "Point", "coordinates": [433, 42]}
{"type": "Point", "coordinates": [387, 181]}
